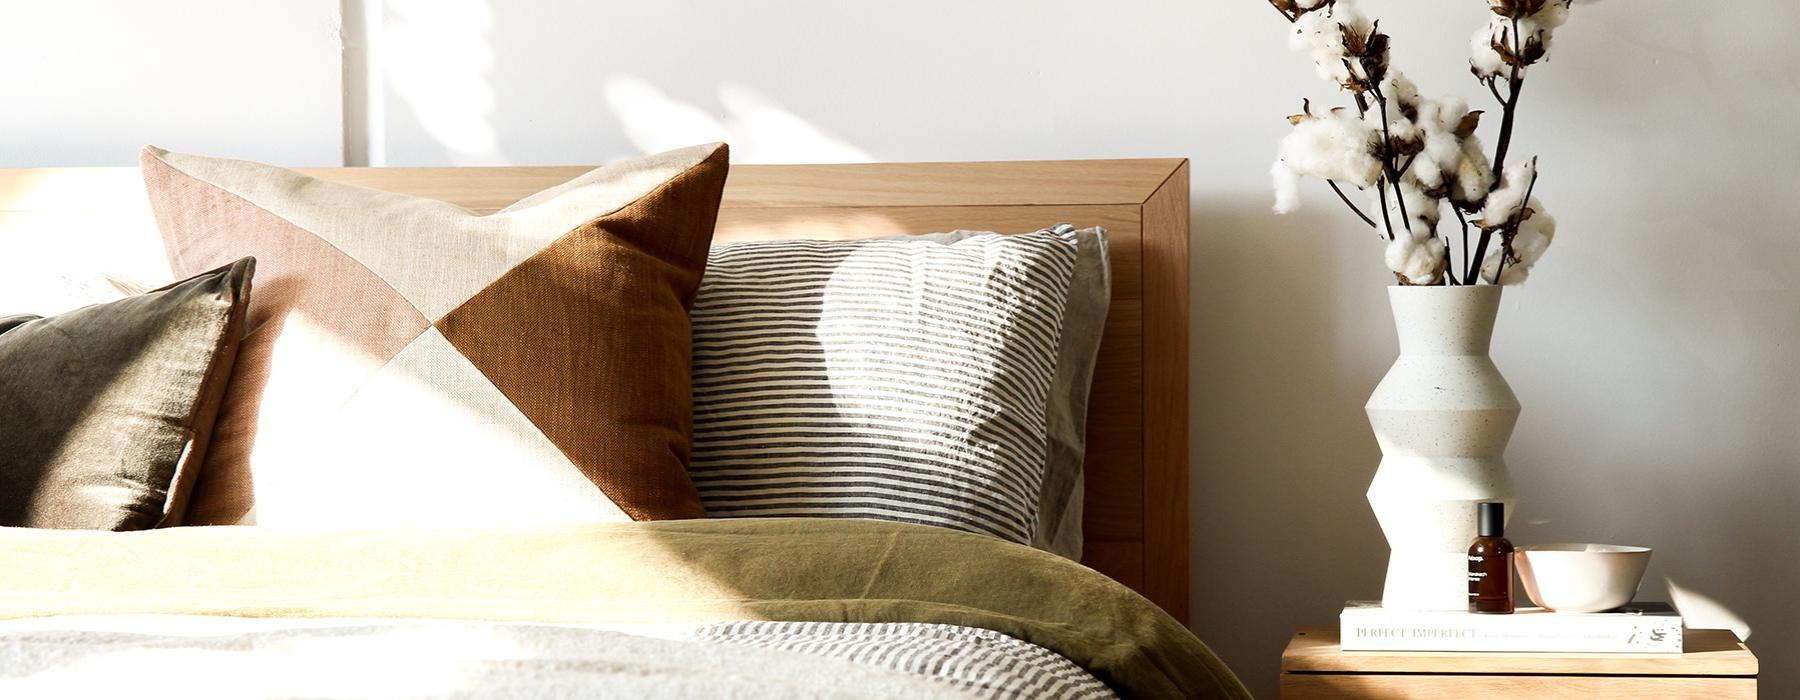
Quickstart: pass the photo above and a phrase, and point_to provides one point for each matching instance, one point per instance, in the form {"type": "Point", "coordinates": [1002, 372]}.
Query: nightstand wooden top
{"type": "Point", "coordinates": [1708, 653]}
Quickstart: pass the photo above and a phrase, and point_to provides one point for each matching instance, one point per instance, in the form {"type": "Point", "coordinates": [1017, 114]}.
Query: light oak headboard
{"type": "Point", "coordinates": [1136, 521]}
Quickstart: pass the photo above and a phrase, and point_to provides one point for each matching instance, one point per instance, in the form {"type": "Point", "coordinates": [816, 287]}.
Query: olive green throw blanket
{"type": "Point", "coordinates": [671, 571]}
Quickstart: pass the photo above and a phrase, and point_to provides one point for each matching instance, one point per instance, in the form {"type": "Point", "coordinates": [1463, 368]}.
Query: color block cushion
{"type": "Point", "coordinates": [898, 379]}
{"type": "Point", "coordinates": [409, 362]}
{"type": "Point", "coordinates": [106, 410]}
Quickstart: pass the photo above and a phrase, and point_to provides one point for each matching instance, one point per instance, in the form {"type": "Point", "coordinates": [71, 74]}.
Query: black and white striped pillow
{"type": "Point", "coordinates": [899, 379]}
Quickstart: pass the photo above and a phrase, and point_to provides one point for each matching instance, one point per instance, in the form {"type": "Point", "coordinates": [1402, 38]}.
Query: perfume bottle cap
{"type": "Point", "coordinates": [1491, 519]}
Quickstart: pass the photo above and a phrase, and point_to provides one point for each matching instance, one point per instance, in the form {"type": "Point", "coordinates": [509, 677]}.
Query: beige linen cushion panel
{"type": "Point", "coordinates": [408, 362]}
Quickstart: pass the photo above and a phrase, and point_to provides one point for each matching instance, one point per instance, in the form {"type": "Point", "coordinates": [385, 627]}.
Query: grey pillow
{"type": "Point", "coordinates": [105, 410]}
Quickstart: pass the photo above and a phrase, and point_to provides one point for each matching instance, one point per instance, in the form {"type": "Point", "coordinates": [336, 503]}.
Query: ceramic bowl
{"type": "Point", "coordinates": [1581, 577]}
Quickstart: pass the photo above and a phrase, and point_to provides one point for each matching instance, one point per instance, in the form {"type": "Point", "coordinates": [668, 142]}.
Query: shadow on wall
{"type": "Point", "coordinates": [434, 67]}
{"type": "Point", "coordinates": [1282, 452]}
{"type": "Point", "coordinates": [758, 128]}
{"type": "Point", "coordinates": [435, 58]}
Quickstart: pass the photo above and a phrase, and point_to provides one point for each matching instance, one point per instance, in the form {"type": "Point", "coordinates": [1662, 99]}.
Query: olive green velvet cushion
{"type": "Point", "coordinates": [105, 410]}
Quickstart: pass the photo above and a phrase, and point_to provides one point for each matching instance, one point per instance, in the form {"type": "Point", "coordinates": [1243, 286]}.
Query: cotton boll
{"type": "Point", "coordinates": [1346, 13]}
{"type": "Point", "coordinates": [1287, 187]}
{"type": "Point", "coordinates": [1318, 34]}
{"type": "Point", "coordinates": [1333, 147]}
{"type": "Point", "coordinates": [1443, 114]}
{"type": "Point", "coordinates": [1441, 117]}
{"type": "Point", "coordinates": [1308, 4]}
{"type": "Point", "coordinates": [1400, 90]}
{"type": "Point", "coordinates": [1402, 98]}
{"type": "Point", "coordinates": [1473, 176]}
{"type": "Point", "coordinates": [1533, 238]}
{"type": "Point", "coordinates": [1321, 34]}
{"type": "Point", "coordinates": [1419, 261]}
{"type": "Point", "coordinates": [1450, 164]}
{"type": "Point", "coordinates": [1399, 128]}
{"type": "Point", "coordinates": [1426, 170]}
{"type": "Point", "coordinates": [1314, 31]}
{"type": "Point", "coordinates": [1535, 234]}
{"type": "Point", "coordinates": [1436, 166]}
{"type": "Point", "coordinates": [1399, 103]}
{"type": "Point", "coordinates": [1528, 37]}
{"type": "Point", "coordinates": [1539, 27]}
{"type": "Point", "coordinates": [1531, 31]}
{"type": "Point", "coordinates": [1502, 205]}
{"type": "Point", "coordinates": [1484, 60]}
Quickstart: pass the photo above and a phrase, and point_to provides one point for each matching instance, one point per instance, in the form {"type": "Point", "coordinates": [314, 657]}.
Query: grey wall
{"type": "Point", "coordinates": [1652, 348]}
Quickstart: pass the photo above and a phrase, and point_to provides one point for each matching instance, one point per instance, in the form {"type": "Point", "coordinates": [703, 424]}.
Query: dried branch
{"type": "Point", "coordinates": [1449, 274]}
{"type": "Point", "coordinates": [1288, 9]}
{"type": "Point", "coordinates": [1408, 164]}
{"type": "Point", "coordinates": [1362, 103]}
{"type": "Point", "coordinates": [1508, 110]}
{"type": "Point", "coordinates": [1387, 162]}
{"type": "Point", "coordinates": [1481, 245]}
{"type": "Point", "coordinates": [1464, 220]}
{"type": "Point", "coordinates": [1381, 191]}
{"type": "Point", "coordinates": [1352, 205]}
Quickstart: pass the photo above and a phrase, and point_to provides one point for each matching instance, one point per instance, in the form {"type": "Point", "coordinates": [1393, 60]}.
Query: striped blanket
{"type": "Point", "coordinates": [199, 656]}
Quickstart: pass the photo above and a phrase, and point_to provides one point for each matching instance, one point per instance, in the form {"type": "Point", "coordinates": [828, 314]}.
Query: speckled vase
{"type": "Point", "coordinates": [1442, 416]}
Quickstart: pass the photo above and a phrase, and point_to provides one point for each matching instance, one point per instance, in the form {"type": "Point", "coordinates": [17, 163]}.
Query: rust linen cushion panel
{"type": "Point", "coordinates": [409, 362]}
{"type": "Point", "coordinates": [106, 410]}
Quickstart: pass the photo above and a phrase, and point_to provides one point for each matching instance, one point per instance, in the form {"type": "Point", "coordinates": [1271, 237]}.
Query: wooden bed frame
{"type": "Point", "coordinates": [1136, 522]}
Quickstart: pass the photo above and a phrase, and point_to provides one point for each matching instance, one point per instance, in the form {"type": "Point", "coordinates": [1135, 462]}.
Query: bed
{"type": "Point", "coordinates": [970, 614]}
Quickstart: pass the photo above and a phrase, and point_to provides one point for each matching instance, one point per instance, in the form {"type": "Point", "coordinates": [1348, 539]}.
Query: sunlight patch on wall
{"type": "Point", "coordinates": [1702, 612]}
{"type": "Point", "coordinates": [437, 58]}
{"type": "Point", "coordinates": [759, 129]}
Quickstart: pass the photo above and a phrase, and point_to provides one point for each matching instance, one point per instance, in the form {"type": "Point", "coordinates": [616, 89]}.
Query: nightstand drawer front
{"type": "Point", "coordinates": [1358, 686]}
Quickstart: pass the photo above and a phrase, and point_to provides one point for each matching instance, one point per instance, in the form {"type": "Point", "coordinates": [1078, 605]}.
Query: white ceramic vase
{"type": "Point", "coordinates": [1442, 416]}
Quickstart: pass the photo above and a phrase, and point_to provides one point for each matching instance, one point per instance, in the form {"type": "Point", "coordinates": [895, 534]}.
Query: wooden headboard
{"type": "Point", "coordinates": [1136, 522]}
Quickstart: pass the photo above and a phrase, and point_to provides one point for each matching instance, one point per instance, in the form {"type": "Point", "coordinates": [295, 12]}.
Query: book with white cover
{"type": "Point", "coordinates": [1653, 628]}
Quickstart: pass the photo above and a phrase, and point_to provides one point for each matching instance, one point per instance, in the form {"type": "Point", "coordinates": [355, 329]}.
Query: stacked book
{"type": "Point", "coordinates": [1653, 628]}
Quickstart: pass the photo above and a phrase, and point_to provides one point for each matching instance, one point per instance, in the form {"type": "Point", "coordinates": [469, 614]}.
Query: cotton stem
{"type": "Point", "coordinates": [1352, 205]}
{"type": "Point", "coordinates": [1449, 274]}
{"type": "Point", "coordinates": [1513, 85]}
{"type": "Point", "coordinates": [1381, 191]}
{"type": "Point", "coordinates": [1464, 220]}
{"type": "Point", "coordinates": [1387, 162]}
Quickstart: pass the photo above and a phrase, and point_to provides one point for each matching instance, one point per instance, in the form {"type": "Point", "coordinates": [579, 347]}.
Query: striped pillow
{"type": "Point", "coordinates": [897, 379]}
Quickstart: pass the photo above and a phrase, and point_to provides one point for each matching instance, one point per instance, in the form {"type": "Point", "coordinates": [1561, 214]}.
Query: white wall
{"type": "Point", "coordinates": [88, 83]}
{"type": "Point", "coordinates": [1652, 349]}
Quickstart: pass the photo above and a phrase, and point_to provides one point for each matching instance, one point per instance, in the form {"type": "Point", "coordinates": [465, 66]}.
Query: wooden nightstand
{"type": "Point", "coordinates": [1716, 666]}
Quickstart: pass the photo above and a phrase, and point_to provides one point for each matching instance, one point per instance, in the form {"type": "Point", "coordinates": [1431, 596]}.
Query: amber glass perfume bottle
{"type": "Point", "coordinates": [1491, 563]}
